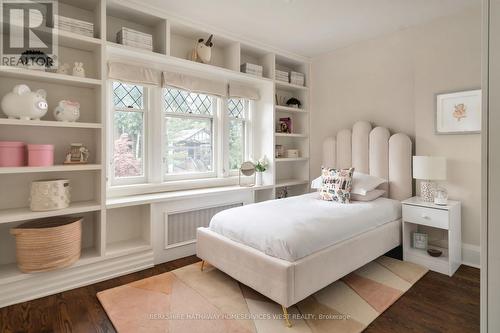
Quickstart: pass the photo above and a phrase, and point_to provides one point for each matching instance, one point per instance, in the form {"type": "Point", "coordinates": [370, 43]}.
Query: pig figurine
{"type": "Point", "coordinates": [24, 104]}
{"type": "Point", "coordinates": [67, 111]}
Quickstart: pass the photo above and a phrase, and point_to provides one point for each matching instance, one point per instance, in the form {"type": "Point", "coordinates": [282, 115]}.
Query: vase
{"type": "Point", "coordinates": [258, 178]}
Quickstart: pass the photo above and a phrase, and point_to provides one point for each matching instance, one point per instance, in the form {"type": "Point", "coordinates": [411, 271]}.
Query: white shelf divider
{"type": "Point", "coordinates": [24, 213]}
{"type": "Point", "coordinates": [48, 123]}
{"type": "Point", "coordinates": [282, 108]}
{"type": "Point", "coordinates": [53, 168]}
{"type": "Point", "coordinates": [21, 73]}
{"type": "Point", "coordinates": [291, 159]}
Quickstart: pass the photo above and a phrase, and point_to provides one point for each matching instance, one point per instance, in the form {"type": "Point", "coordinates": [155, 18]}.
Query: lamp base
{"type": "Point", "coordinates": [427, 190]}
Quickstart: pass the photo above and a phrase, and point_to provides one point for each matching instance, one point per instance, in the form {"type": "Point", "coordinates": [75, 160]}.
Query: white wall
{"type": "Point", "coordinates": [392, 81]}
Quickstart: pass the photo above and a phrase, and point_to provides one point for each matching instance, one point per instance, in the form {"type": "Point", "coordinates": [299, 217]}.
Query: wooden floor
{"type": "Point", "coordinates": [436, 303]}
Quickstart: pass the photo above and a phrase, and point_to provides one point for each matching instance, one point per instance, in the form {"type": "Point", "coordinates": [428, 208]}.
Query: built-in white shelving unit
{"type": "Point", "coordinates": [118, 234]}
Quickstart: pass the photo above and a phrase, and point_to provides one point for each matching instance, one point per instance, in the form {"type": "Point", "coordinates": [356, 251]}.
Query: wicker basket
{"type": "Point", "coordinates": [48, 244]}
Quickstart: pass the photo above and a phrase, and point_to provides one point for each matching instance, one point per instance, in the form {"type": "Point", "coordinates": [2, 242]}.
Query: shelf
{"type": "Point", "coordinates": [22, 73]}
{"type": "Point", "coordinates": [291, 135]}
{"type": "Point", "coordinates": [10, 273]}
{"type": "Point", "coordinates": [125, 52]}
{"type": "Point", "coordinates": [290, 182]}
{"type": "Point", "coordinates": [443, 259]}
{"type": "Point", "coordinates": [24, 213]}
{"type": "Point", "coordinates": [48, 123]}
{"type": "Point", "coordinates": [127, 247]}
{"type": "Point", "coordinates": [76, 41]}
{"type": "Point", "coordinates": [291, 159]}
{"type": "Point", "coordinates": [289, 86]}
{"type": "Point", "coordinates": [282, 108]}
{"type": "Point", "coordinates": [53, 168]}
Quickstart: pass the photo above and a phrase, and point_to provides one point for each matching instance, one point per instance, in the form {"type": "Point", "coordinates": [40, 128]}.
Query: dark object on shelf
{"type": "Point", "coordinates": [434, 252]}
{"type": "Point", "coordinates": [293, 102]}
{"type": "Point", "coordinates": [286, 125]}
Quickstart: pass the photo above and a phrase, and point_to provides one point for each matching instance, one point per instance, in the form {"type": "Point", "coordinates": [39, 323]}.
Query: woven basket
{"type": "Point", "coordinates": [48, 244]}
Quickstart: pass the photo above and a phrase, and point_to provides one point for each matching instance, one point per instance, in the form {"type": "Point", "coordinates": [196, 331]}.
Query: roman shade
{"type": "Point", "coordinates": [241, 91]}
{"type": "Point", "coordinates": [136, 74]}
{"type": "Point", "coordinates": [194, 84]}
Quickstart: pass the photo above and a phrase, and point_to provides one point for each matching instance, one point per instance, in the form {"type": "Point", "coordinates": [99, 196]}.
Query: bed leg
{"type": "Point", "coordinates": [286, 316]}
{"type": "Point", "coordinates": [202, 264]}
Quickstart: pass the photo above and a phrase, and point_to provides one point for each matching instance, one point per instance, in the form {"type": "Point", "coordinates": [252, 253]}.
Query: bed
{"type": "Point", "coordinates": [290, 248]}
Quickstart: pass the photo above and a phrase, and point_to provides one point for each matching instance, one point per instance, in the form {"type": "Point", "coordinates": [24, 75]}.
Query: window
{"type": "Point", "coordinates": [237, 112]}
{"type": "Point", "coordinates": [189, 133]}
{"type": "Point", "coordinates": [129, 115]}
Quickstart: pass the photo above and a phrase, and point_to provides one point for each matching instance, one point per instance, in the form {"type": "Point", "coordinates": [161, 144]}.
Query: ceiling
{"type": "Point", "coordinates": [311, 27]}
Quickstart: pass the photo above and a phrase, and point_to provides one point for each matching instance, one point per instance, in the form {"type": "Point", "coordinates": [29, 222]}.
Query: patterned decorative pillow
{"type": "Point", "coordinates": [336, 185]}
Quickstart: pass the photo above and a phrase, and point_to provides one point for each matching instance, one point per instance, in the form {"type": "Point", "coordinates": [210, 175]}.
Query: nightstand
{"type": "Point", "coordinates": [418, 213]}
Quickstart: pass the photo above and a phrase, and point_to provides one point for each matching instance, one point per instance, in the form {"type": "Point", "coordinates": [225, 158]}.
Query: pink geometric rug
{"type": "Point", "coordinates": [209, 301]}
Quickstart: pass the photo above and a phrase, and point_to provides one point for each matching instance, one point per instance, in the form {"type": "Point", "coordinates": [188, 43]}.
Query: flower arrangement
{"type": "Point", "coordinates": [261, 164]}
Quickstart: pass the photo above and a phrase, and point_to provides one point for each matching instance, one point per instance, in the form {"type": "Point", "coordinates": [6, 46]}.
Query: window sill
{"type": "Point", "coordinates": [143, 199]}
{"type": "Point", "coordinates": [170, 186]}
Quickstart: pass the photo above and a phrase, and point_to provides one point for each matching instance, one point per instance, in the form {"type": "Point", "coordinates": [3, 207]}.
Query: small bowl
{"type": "Point", "coordinates": [434, 252]}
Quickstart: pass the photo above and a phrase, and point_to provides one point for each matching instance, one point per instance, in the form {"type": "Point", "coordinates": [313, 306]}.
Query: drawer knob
{"type": "Point", "coordinates": [425, 217]}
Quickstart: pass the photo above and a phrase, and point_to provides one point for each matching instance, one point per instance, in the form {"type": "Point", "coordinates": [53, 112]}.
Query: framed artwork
{"type": "Point", "coordinates": [459, 113]}
{"type": "Point", "coordinates": [420, 240]}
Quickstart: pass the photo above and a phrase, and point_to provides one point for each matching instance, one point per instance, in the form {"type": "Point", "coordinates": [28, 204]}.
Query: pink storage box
{"type": "Point", "coordinates": [12, 154]}
{"type": "Point", "coordinates": [40, 155]}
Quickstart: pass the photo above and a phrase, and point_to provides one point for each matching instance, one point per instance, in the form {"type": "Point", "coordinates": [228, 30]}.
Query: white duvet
{"type": "Point", "coordinates": [296, 227]}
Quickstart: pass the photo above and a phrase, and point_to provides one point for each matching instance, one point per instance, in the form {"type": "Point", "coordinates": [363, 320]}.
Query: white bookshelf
{"type": "Point", "coordinates": [118, 232]}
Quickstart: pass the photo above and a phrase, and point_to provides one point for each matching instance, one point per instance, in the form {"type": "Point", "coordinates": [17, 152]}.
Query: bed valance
{"type": "Point", "coordinates": [136, 74]}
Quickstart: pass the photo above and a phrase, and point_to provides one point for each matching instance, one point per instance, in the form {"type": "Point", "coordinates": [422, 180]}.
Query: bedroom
{"type": "Point", "coordinates": [174, 166]}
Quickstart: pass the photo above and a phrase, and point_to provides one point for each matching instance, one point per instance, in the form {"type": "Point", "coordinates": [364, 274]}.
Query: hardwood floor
{"type": "Point", "coordinates": [436, 303]}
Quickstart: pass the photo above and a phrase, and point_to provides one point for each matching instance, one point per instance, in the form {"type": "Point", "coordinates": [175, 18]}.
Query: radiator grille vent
{"type": "Point", "coordinates": [181, 227]}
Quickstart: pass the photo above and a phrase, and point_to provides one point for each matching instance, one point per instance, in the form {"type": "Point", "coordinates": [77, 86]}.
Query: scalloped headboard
{"type": "Point", "coordinates": [373, 151]}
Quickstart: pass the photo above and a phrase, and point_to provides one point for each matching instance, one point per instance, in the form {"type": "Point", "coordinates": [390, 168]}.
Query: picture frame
{"type": "Point", "coordinates": [285, 125]}
{"type": "Point", "coordinates": [420, 240]}
{"type": "Point", "coordinates": [459, 112]}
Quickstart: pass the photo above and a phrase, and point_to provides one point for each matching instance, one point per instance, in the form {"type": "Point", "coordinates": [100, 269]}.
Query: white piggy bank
{"type": "Point", "coordinates": [25, 104]}
{"type": "Point", "coordinates": [67, 111]}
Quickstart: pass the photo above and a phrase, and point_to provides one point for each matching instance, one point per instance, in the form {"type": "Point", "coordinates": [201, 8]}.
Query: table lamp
{"type": "Point", "coordinates": [428, 169]}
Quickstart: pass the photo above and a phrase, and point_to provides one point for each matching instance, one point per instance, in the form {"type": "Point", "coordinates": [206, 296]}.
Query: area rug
{"type": "Point", "coordinates": [190, 300]}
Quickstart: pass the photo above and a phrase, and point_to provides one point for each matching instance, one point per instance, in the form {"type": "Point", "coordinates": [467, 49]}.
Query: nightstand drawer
{"type": "Point", "coordinates": [437, 218]}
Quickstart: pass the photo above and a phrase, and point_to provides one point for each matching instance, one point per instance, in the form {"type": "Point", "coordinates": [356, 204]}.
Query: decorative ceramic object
{"type": "Point", "coordinates": [24, 104]}
{"type": "Point", "coordinates": [67, 110]}
{"type": "Point", "coordinates": [63, 69]}
{"type": "Point", "coordinates": [78, 154]}
{"type": "Point", "coordinates": [12, 154]}
{"type": "Point", "coordinates": [40, 155]}
{"type": "Point", "coordinates": [49, 195]}
{"type": "Point", "coordinates": [202, 51]}
{"type": "Point", "coordinates": [78, 69]}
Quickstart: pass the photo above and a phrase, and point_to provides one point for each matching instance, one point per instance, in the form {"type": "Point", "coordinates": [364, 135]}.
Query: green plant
{"type": "Point", "coordinates": [261, 164]}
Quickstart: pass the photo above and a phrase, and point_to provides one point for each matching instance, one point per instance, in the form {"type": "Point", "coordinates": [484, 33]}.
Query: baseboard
{"type": "Point", "coordinates": [471, 255]}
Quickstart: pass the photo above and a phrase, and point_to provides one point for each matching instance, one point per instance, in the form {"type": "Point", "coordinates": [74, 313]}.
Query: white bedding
{"type": "Point", "coordinates": [296, 227]}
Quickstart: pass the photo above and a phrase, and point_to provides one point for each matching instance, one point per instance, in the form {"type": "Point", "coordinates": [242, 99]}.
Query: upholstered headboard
{"type": "Point", "coordinates": [373, 151]}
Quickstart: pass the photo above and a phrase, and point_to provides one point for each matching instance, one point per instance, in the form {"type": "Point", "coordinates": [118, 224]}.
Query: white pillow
{"type": "Point", "coordinates": [370, 195]}
{"type": "Point", "coordinates": [363, 183]}
{"type": "Point", "coordinates": [317, 183]}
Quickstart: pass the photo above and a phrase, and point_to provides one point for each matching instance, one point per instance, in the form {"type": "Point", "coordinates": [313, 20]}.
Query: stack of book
{"type": "Point", "coordinates": [297, 78]}
{"type": "Point", "coordinates": [134, 38]}
{"type": "Point", "coordinates": [252, 69]}
{"type": "Point", "coordinates": [76, 26]}
{"type": "Point", "coordinates": [281, 75]}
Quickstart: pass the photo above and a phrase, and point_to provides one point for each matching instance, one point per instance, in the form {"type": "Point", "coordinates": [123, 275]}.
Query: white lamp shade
{"type": "Point", "coordinates": [429, 167]}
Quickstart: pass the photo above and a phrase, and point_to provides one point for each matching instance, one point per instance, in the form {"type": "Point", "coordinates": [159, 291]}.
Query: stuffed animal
{"type": "Point", "coordinates": [78, 69]}
{"type": "Point", "coordinates": [22, 103]}
{"type": "Point", "coordinates": [203, 50]}
{"type": "Point", "coordinates": [67, 111]}
{"type": "Point", "coordinates": [63, 69]}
